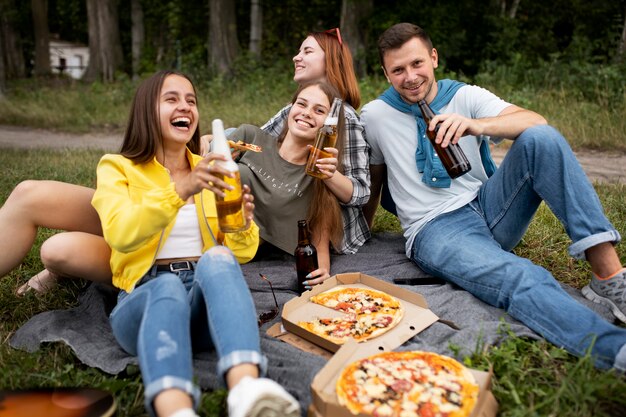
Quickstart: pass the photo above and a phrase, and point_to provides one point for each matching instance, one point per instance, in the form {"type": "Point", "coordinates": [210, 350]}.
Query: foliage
{"type": "Point", "coordinates": [467, 33]}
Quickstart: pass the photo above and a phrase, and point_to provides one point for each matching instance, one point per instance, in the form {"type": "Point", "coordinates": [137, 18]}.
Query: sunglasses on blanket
{"type": "Point", "coordinates": [270, 315]}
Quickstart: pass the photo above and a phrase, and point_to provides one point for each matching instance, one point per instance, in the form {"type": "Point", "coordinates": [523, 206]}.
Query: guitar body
{"type": "Point", "coordinates": [57, 402]}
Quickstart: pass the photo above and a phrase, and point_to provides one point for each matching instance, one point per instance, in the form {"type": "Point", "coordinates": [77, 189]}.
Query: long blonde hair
{"type": "Point", "coordinates": [324, 213]}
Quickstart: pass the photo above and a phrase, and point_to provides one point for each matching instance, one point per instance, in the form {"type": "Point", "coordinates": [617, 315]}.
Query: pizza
{"type": "Point", "coordinates": [405, 384]}
{"type": "Point", "coordinates": [368, 314]}
{"type": "Point", "coordinates": [357, 300]}
{"type": "Point", "coordinates": [243, 146]}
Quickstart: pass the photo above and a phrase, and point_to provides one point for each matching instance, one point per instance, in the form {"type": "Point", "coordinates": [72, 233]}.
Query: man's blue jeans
{"type": "Point", "coordinates": [210, 307]}
{"type": "Point", "coordinates": [471, 246]}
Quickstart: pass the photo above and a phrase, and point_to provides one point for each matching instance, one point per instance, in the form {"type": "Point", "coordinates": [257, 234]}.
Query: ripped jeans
{"type": "Point", "coordinates": [169, 314]}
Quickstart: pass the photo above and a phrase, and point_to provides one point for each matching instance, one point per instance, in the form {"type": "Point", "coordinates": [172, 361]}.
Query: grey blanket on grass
{"type": "Point", "coordinates": [86, 328]}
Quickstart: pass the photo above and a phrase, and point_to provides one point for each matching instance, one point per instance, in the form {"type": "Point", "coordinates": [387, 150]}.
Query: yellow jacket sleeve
{"type": "Point", "coordinates": [134, 205]}
{"type": "Point", "coordinates": [243, 244]}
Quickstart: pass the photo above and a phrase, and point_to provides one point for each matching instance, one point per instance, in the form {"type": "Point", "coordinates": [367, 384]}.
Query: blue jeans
{"type": "Point", "coordinates": [167, 312]}
{"type": "Point", "coordinates": [471, 246]}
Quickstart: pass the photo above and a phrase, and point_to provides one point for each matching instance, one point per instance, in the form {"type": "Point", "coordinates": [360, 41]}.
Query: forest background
{"type": "Point", "coordinates": [571, 39]}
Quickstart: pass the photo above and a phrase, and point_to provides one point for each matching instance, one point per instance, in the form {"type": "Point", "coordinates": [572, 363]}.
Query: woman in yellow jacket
{"type": "Point", "coordinates": [177, 287]}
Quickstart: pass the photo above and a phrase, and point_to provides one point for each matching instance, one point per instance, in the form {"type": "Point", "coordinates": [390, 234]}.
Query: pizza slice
{"type": "Point", "coordinates": [359, 300]}
{"type": "Point", "coordinates": [338, 329]}
{"type": "Point", "coordinates": [243, 146]}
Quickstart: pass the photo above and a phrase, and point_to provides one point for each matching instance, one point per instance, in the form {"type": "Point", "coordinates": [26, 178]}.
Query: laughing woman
{"type": "Point", "coordinates": [178, 288]}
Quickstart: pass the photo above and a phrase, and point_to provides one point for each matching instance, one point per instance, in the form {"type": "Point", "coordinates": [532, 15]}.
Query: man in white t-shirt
{"type": "Point", "coordinates": [463, 229]}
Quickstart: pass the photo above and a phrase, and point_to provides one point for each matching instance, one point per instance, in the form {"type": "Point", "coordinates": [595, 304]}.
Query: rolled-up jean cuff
{"type": "Point", "coordinates": [168, 382]}
{"type": "Point", "coordinates": [577, 249]}
{"type": "Point", "coordinates": [239, 357]}
{"type": "Point", "coordinates": [620, 360]}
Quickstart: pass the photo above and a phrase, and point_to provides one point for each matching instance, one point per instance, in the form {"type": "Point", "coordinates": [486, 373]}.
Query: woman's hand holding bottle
{"type": "Point", "coordinates": [248, 205]}
{"type": "Point", "coordinates": [205, 176]}
{"type": "Point", "coordinates": [328, 166]}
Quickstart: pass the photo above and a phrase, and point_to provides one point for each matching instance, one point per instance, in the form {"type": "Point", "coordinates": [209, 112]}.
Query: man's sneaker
{"type": "Point", "coordinates": [610, 293]}
{"type": "Point", "coordinates": [261, 397]}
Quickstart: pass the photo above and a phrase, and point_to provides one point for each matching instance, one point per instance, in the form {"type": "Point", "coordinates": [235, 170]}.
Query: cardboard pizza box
{"type": "Point", "coordinates": [326, 404]}
{"type": "Point", "coordinates": [488, 409]}
{"type": "Point", "coordinates": [417, 316]}
{"type": "Point", "coordinates": [312, 412]}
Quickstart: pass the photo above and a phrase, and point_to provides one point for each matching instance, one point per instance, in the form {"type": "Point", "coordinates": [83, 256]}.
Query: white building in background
{"type": "Point", "coordinates": [68, 58]}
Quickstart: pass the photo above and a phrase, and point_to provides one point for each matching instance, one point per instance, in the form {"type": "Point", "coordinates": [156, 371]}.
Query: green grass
{"type": "Point", "coordinates": [530, 378]}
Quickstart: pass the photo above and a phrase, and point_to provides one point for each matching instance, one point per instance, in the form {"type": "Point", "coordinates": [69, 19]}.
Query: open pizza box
{"type": "Point", "coordinates": [326, 404]}
{"type": "Point", "coordinates": [417, 316]}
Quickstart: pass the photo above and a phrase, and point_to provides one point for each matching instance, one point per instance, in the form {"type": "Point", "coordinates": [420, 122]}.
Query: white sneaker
{"type": "Point", "coordinates": [261, 397]}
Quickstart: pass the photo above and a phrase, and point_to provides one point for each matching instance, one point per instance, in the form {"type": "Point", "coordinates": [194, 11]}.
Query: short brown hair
{"type": "Point", "coordinates": [398, 35]}
{"type": "Point", "coordinates": [143, 131]}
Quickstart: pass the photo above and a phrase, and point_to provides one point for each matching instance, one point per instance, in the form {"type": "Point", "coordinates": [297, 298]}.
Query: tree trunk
{"type": "Point", "coordinates": [353, 12]}
{"type": "Point", "coordinates": [621, 48]}
{"type": "Point", "coordinates": [510, 11]}
{"type": "Point", "coordinates": [42, 37]}
{"type": "Point", "coordinates": [223, 43]}
{"type": "Point", "coordinates": [513, 9]}
{"type": "Point", "coordinates": [256, 28]}
{"type": "Point", "coordinates": [13, 56]}
{"type": "Point", "coordinates": [92, 72]}
{"type": "Point", "coordinates": [137, 35]}
{"type": "Point", "coordinates": [105, 49]}
{"type": "Point", "coordinates": [3, 75]}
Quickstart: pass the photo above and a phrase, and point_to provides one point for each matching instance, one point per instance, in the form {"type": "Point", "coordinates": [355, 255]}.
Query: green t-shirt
{"type": "Point", "coordinates": [282, 191]}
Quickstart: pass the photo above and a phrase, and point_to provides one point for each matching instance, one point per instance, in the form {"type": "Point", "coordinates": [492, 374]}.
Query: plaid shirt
{"type": "Point", "coordinates": [355, 167]}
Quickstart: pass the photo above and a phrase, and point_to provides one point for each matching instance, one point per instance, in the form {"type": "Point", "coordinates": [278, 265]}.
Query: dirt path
{"type": "Point", "coordinates": [599, 166]}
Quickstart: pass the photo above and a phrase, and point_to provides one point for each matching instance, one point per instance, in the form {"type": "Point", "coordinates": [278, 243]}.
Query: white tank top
{"type": "Point", "coordinates": [185, 240]}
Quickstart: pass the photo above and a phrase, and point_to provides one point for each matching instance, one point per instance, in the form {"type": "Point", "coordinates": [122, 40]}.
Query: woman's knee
{"type": "Point", "coordinates": [216, 262]}
{"type": "Point", "coordinates": [25, 194]}
{"type": "Point", "coordinates": [217, 254]}
{"type": "Point", "coordinates": [56, 253]}
{"type": "Point", "coordinates": [77, 254]}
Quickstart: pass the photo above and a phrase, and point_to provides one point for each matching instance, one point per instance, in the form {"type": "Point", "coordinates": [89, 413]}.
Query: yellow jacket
{"type": "Point", "coordinates": [137, 205]}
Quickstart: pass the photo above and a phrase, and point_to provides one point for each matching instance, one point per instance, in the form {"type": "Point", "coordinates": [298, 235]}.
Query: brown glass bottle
{"type": "Point", "coordinates": [326, 138]}
{"type": "Point", "coordinates": [452, 156]}
{"type": "Point", "coordinates": [306, 255]}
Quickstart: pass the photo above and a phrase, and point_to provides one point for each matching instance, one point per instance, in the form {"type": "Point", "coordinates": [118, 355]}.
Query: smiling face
{"type": "Point", "coordinates": [178, 113]}
{"type": "Point", "coordinates": [310, 63]}
{"type": "Point", "coordinates": [308, 113]}
{"type": "Point", "coordinates": [411, 70]}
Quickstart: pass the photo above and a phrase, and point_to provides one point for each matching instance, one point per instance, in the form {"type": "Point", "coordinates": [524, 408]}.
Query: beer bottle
{"type": "Point", "coordinates": [452, 156]}
{"type": "Point", "coordinates": [326, 138]}
{"type": "Point", "coordinates": [230, 207]}
{"type": "Point", "coordinates": [306, 255]}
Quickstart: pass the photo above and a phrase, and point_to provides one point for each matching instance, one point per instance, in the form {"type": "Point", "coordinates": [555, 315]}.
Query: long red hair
{"type": "Point", "coordinates": [339, 67]}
